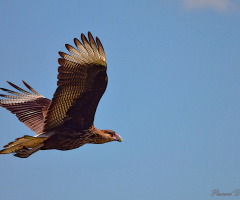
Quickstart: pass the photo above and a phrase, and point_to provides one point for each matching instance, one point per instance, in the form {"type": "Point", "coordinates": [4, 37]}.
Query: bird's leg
{"type": "Point", "coordinates": [25, 152]}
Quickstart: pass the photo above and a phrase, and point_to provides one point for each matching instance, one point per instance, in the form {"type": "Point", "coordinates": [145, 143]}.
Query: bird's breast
{"type": "Point", "coordinates": [67, 140]}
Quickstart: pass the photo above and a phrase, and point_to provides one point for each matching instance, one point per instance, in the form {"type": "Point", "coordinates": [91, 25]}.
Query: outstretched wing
{"type": "Point", "coordinates": [30, 108]}
{"type": "Point", "coordinates": [82, 80]}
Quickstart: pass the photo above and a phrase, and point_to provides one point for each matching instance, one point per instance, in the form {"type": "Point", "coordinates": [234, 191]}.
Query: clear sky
{"type": "Point", "coordinates": [173, 95]}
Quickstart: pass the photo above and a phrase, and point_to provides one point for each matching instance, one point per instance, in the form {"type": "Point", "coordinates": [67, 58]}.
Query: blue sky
{"type": "Point", "coordinates": [173, 96]}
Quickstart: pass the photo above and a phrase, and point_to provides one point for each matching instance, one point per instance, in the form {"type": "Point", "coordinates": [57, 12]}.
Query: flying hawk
{"type": "Point", "coordinates": [66, 121]}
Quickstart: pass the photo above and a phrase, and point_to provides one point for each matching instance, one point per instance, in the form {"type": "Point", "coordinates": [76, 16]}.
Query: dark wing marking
{"type": "Point", "coordinates": [30, 108]}
{"type": "Point", "coordinates": [82, 80]}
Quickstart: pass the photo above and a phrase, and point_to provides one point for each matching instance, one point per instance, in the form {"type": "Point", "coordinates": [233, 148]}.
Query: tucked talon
{"type": "Point", "coordinates": [23, 153]}
{"type": "Point", "coordinates": [23, 150]}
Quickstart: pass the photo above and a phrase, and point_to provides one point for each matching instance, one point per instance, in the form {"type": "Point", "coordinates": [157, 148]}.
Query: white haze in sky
{"type": "Point", "coordinates": [221, 5]}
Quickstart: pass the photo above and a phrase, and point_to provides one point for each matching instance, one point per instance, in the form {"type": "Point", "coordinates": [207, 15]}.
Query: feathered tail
{"type": "Point", "coordinates": [24, 142]}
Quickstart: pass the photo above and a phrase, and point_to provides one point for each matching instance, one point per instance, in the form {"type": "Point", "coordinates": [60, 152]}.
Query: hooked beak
{"type": "Point", "coordinates": [119, 139]}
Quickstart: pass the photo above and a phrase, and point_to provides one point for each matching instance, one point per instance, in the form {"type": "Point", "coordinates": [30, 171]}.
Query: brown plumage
{"type": "Point", "coordinates": [66, 122]}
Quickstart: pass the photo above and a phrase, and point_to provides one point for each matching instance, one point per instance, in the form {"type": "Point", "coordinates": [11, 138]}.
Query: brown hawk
{"type": "Point", "coordinates": [66, 122]}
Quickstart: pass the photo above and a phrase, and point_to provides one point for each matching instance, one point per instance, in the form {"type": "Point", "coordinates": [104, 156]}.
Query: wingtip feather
{"type": "Point", "coordinates": [30, 88]}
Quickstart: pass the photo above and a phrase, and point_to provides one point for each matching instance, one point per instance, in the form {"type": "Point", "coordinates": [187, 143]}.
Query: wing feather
{"type": "Point", "coordinates": [30, 108]}
{"type": "Point", "coordinates": [80, 47]}
{"type": "Point", "coordinates": [87, 46]}
{"type": "Point", "coordinates": [100, 48]}
{"type": "Point", "coordinates": [82, 80]}
{"type": "Point", "coordinates": [93, 45]}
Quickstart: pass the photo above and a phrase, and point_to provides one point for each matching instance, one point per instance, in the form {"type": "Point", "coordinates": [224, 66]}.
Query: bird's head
{"type": "Point", "coordinates": [112, 136]}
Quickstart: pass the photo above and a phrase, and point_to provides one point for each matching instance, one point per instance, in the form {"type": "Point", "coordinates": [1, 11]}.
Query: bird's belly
{"type": "Point", "coordinates": [65, 142]}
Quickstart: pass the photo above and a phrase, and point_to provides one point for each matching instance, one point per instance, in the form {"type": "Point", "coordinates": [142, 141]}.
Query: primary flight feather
{"type": "Point", "coordinates": [66, 122]}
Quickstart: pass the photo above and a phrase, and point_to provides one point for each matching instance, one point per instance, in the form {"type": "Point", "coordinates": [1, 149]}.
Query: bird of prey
{"type": "Point", "coordinates": [66, 121]}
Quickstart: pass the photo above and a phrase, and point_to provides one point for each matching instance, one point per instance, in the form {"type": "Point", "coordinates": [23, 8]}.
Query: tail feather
{"type": "Point", "coordinates": [24, 142]}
